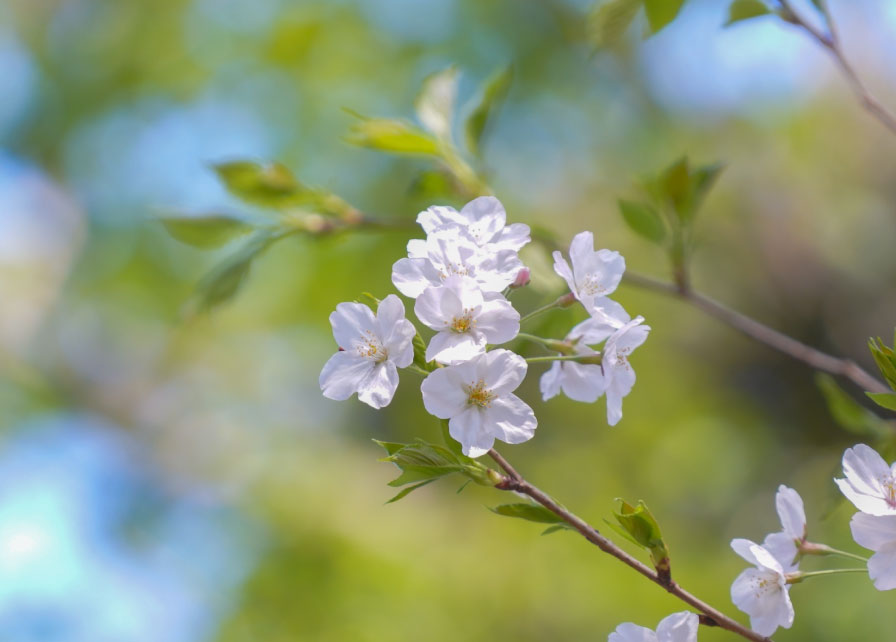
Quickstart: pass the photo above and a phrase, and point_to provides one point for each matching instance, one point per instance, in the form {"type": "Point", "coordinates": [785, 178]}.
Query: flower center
{"type": "Point", "coordinates": [450, 269]}
{"type": "Point", "coordinates": [479, 395]}
{"type": "Point", "coordinates": [464, 322]}
{"type": "Point", "coordinates": [372, 348]}
{"type": "Point", "coordinates": [890, 492]}
{"type": "Point", "coordinates": [591, 285]}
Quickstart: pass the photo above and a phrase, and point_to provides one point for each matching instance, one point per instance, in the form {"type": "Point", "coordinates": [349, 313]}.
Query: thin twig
{"type": "Point", "coordinates": [710, 616]}
{"type": "Point", "coordinates": [831, 42]}
{"type": "Point", "coordinates": [772, 338]}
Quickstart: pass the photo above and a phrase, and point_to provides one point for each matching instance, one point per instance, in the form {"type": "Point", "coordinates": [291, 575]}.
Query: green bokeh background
{"type": "Point", "coordinates": [130, 104]}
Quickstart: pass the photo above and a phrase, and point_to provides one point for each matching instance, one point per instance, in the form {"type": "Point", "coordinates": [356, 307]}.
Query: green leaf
{"type": "Point", "coordinates": [529, 511]}
{"type": "Point", "coordinates": [435, 102]}
{"type": "Point", "coordinates": [883, 399]}
{"type": "Point", "coordinates": [562, 526]}
{"type": "Point", "coordinates": [644, 220]}
{"type": "Point", "coordinates": [885, 359]}
{"type": "Point", "coordinates": [848, 413]}
{"type": "Point", "coordinates": [675, 183]}
{"type": "Point", "coordinates": [746, 9]}
{"type": "Point", "coordinates": [661, 12]}
{"type": "Point", "coordinates": [608, 22]}
{"type": "Point", "coordinates": [395, 136]}
{"type": "Point", "coordinates": [702, 180]}
{"type": "Point", "coordinates": [207, 231]}
{"type": "Point", "coordinates": [223, 282]}
{"type": "Point", "coordinates": [269, 185]}
{"type": "Point", "coordinates": [390, 447]}
{"type": "Point", "coordinates": [489, 101]}
{"type": "Point", "coordinates": [640, 524]}
{"type": "Point", "coordinates": [404, 492]}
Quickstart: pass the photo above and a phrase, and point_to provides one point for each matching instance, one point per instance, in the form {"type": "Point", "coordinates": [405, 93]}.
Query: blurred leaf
{"type": "Point", "coordinates": [208, 231]}
{"type": "Point", "coordinates": [883, 399]}
{"type": "Point", "coordinates": [746, 9]}
{"type": "Point", "coordinates": [271, 185]}
{"type": "Point", "coordinates": [643, 529]}
{"type": "Point", "coordinates": [644, 220]}
{"type": "Point", "coordinates": [435, 102]}
{"type": "Point", "coordinates": [608, 22]}
{"type": "Point", "coordinates": [529, 511]}
{"type": "Point", "coordinates": [394, 136]}
{"type": "Point", "coordinates": [702, 180]}
{"type": "Point", "coordinates": [675, 183]}
{"type": "Point", "coordinates": [848, 413]}
{"type": "Point", "coordinates": [225, 280]}
{"type": "Point", "coordinates": [885, 359]}
{"type": "Point", "coordinates": [491, 96]}
{"type": "Point", "coordinates": [661, 12]}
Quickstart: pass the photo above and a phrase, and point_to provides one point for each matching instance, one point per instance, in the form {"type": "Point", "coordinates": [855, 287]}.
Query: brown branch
{"type": "Point", "coordinates": [769, 336]}
{"type": "Point", "coordinates": [831, 42]}
{"type": "Point", "coordinates": [709, 616]}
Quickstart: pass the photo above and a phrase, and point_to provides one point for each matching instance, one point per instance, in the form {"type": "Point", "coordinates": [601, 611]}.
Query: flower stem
{"type": "Point", "coordinates": [824, 549]}
{"type": "Point", "coordinates": [560, 302]}
{"type": "Point", "coordinates": [799, 576]}
{"type": "Point", "coordinates": [418, 370]}
{"type": "Point", "coordinates": [593, 359]}
{"type": "Point", "coordinates": [531, 337]}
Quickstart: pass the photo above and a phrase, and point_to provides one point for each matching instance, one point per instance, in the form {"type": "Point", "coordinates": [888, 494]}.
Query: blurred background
{"type": "Point", "coordinates": [186, 481]}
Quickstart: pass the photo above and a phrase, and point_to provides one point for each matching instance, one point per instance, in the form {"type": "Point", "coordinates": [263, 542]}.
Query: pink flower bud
{"type": "Point", "coordinates": [522, 279]}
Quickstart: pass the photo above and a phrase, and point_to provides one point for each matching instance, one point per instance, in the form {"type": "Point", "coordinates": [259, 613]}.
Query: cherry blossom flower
{"type": "Point", "coordinates": [372, 348]}
{"type": "Point", "coordinates": [593, 276]}
{"type": "Point", "coordinates": [878, 533]}
{"type": "Point", "coordinates": [477, 398]}
{"type": "Point", "coordinates": [466, 320]}
{"type": "Point", "coordinates": [785, 545]}
{"type": "Point", "coordinates": [483, 218]}
{"type": "Point", "coordinates": [452, 251]}
{"type": "Point", "coordinates": [579, 381]}
{"type": "Point", "coordinates": [678, 627]}
{"type": "Point", "coordinates": [870, 483]}
{"type": "Point", "coordinates": [762, 592]}
{"type": "Point", "coordinates": [619, 377]}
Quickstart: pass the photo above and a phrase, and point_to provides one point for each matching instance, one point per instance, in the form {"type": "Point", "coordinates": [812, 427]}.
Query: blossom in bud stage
{"type": "Point", "coordinates": [678, 627]}
{"type": "Point", "coordinates": [522, 279]}
{"type": "Point", "coordinates": [477, 398]}
{"type": "Point", "coordinates": [483, 218]}
{"type": "Point", "coordinates": [452, 251]}
{"type": "Point", "coordinates": [870, 482]}
{"type": "Point", "coordinates": [465, 318]}
{"type": "Point", "coordinates": [878, 533]}
{"type": "Point", "coordinates": [785, 545]}
{"type": "Point", "coordinates": [371, 349]}
{"type": "Point", "coordinates": [579, 381]}
{"type": "Point", "coordinates": [593, 276]}
{"type": "Point", "coordinates": [619, 377]}
{"type": "Point", "coordinates": [762, 592]}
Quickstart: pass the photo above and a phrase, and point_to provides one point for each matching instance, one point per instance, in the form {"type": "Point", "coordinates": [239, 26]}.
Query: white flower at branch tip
{"type": "Point", "coordinates": [452, 251]}
{"type": "Point", "coordinates": [619, 376]}
{"type": "Point", "coordinates": [372, 348]}
{"type": "Point", "coordinates": [877, 533]}
{"type": "Point", "coordinates": [483, 218]}
{"type": "Point", "coordinates": [762, 592]}
{"type": "Point", "coordinates": [785, 545]}
{"type": "Point", "coordinates": [593, 275]}
{"type": "Point", "coordinates": [678, 627]}
{"type": "Point", "coordinates": [579, 381]}
{"type": "Point", "coordinates": [870, 482]}
{"type": "Point", "coordinates": [465, 318]}
{"type": "Point", "coordinates": [477, 398]}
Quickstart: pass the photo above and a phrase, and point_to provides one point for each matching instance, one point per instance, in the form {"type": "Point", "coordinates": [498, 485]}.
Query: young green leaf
{"type": "Point", "coordinates": [608, 22]}
{"type": "Point", "coordinates": [269, 185]}
{"type": "Point", "coordinates": [848, 413]}
{"type": "Point", "coordinates": [407, 490]}
{"type": "Point", "coordinates": [641, 526]}
{"type": "Point", "coordinates": [435, 102]}
{"type": "Point", "coordinates": [529, 511]}
{"type": "Point", "coordinates": [226, 279]}
{"type": "Point", "coordinates": [675, 183]}
{"type": "Point", "coordinates": [395, 136]}
{"type": "Point", "coordinates": [702, 180]}
{"type": "Point", "coordinates": [644, 220]}
{"type": "Point", "coordinates": [745, 9]}
{"type": "Point", "coordinates": [661, 12]}
{"type": "Point", "coordinates": [883, 399]}
{"type": "Point", "coordinates": [885, 359]}
{"type": "Point", "coordinates": [489, 101]}
{"type": "Point", "coordinates": [209, 231]}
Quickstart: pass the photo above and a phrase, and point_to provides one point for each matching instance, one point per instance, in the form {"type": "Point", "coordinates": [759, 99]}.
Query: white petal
{"type": "Point", "coordinates": [791, 512]}
{"type": "Point", "coordinates": [395, 331]}
{"type": "Point", "coordinates": [412, 276]}
{"type": "Point", "coordinates": [378, 387]}
{"type": "Point", "coordinates": [581, 249]}
{"type": "Point", "coordinates": [504, 370]}
{"type": "Point", "coordinates": [510, 419]}
{"type": "Point", "coordinates": [866, 472]}
{"type": "Point", "coordinates": [417, 249]}
{"type": "Point", "coordinates": [436, 306]}
{"type": "Point", "coordinates": [342, 375]}
{"type": "Point", "coordinates": [882, 568]}
{"type": "Point", "coordinates": [498, 320]}
{"type": "Point", "coordinates": [784, 549]}
{"type": "Point", "coordinates": [562, 268]}
{"type": "Point", "coordinates": [593, 330]}
{"type": "Point", "coordinates": [443, 393]}
{"type": "Point", "coordinates": [486, 218]}
{"type": "Point", "coordinates": [678, 627]}
{"type": "Point", "coordinates": [758, 593]}
{"type": "Point", "coordinates": [513, 237]}
{"type": "Point", "coordinates": [468, 429]}
{"type": "Point", "coordinates": [629, 632]}
{"type": "Point", "coordinates": [631, 335]}
{"type": "Point", "coordinates": [613, 269]}
{"type": "Point", "coordinates": [583, 382]}
{"type": "Point", "coordinates": [455, 347]}
{"type": "Point", "coordinates": [350, 321]}
{"type": "Point", "coordinates": [496, 270]}
{"type": "Point", "coordinates": [873, 531]}
{"type": "Point", "coordinates": [437, 216]}
{"type": "Point", "coordinates": [607, 310]}
{"type": "Point", "coordinates": [550, 381]}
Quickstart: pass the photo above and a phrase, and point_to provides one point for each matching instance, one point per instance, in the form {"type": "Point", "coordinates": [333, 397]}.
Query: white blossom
{"type": "Point", "coordinates": [452, 251]}
{"type": "Point", "coordinates": [678, 627]}
{"type": "Point", "coordinates": [619, 377]}
{"type": "Point", "coordinates": [785, 545]}
{"type": "Point", "coordinates": [878, 533]}
{"type": "Point", "coordinates": [465, 318]}
{"type": "Point", "coordinates": [593, 275]}
{"type": "Point", "coordinates": [579, 381]}
{"type": "Point", "coordinates": [870, 482]}
{"type": "Point", "coordinates": [483, 218]}
{"type": "Point", "coordinates": [762, 592]}
{"type": "Point", "coordinates": [477, 398]}
{"type": "Point", "coordinates": [372, 348]}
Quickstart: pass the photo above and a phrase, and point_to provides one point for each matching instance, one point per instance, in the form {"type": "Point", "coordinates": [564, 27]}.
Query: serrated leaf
{"type": "Point", "coordinates": [395, 136]}
{"type": "Point", "coordinates": [848, 413]}
{"type": "Point", "coordinates": [644, 220]}
{"type": "Point", "coordinates": [225, 280]}
{"type": "Point", "coordinates": [209, 231]}
{"type": "Point", "coordinates": [421, 461]}
{"type": "Point", "coordinates": [883, 399]}
{"type": "Point", "coordinates": [661, 12]}
{"type": "Point", "coordinates": [435, 102]}
{"type": "Point", "coordinates": [529, 511]}
{"type": "Point", "coordinates": [492, 94]}
{"type": "Point", "coordinates": [608, 22]}
{"type": "Point", "coordinates": [745, 9]}
{"type": "Point", "coordinates": [404, 492]}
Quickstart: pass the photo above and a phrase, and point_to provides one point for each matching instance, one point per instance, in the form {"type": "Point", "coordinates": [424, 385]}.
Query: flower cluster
{"type": "Point", "coordinates": [459, 277]}
{"type": "Point", "coordinates": [678, 627]}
